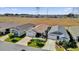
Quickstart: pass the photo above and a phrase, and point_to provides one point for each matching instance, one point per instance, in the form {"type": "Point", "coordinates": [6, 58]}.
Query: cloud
{"type": "Point", "coordinates": [68, 10]}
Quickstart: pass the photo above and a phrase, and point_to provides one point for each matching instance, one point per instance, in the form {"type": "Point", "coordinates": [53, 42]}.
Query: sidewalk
{"type": "Point", "coordinates": [24, 41]}
{"type": "Point", "coordinates": [50, 45]}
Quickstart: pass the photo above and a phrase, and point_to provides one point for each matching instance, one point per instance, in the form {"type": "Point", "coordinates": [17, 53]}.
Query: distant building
{"type": "Point", "coordinates": [58, 33]}
{"type": "Point", "coordinates": [22, 29]}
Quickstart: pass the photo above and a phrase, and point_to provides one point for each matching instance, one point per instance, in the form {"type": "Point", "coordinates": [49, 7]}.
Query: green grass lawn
{"type": "Point", "coordinates": [59, 49]}
{"type": "Point", "coordinates": [37, 43]}
{"type": "Point", "coordinates": [13, 40]}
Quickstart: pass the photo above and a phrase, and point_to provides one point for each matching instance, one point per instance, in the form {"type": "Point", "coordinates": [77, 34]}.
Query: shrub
{"type": "Point", "coordinates": [72, 44]}
{"type": "Point", "coordinates": [14, 40]}
{"type": "Point", "coordinates": [65, 45]}
{"type": "Point", "coordinates": [29, 43]}
{"type": "Point", "coordinates": [60, 43]}
{"type": "Point", "coordinates": [11, 35]}
{"type": "Point", "coordinates": [40, 44]}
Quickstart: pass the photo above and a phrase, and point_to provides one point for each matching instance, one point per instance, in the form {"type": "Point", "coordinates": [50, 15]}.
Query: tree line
{"type": "Point", "coordinates": [39, 16]}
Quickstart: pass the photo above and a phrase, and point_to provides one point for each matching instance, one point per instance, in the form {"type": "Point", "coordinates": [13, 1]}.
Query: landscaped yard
{"type": "Point", "coordinates": [13, 39]}
{"type": "Point", "coordinates": [36, 43]}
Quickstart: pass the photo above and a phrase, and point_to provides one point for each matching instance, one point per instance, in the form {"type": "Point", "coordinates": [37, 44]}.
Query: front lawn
{"type": "Point", "coordinates": [36, 43]}
{"type": "Point", "coordinates": [13, 39]}
{"type": "Point", "coordinates": [59, 49]}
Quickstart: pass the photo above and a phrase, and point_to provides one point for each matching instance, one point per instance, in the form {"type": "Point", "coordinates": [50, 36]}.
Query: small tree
{"type": "Point", "coordinates": [70, 15]}
{"type": "Point", "coordinates": [60, 43]}
{"type": "Point", "coordinates": [46, 32]}
{"type": "Point", "coordinates": [72, 44]}
{"type": "Point", "coordinates": [65, 45]}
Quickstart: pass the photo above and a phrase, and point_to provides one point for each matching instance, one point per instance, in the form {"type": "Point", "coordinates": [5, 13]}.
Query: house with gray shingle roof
{"type": "Point", "coordinates": [6, 26]}
{"type": "Point", "coordinates": [58, 32]}
{"type": "Point", "coordinates": [22, 29]}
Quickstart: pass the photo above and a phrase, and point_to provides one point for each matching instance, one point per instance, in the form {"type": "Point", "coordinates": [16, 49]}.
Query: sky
{"type": "Point", "coordinates": [36, 10]}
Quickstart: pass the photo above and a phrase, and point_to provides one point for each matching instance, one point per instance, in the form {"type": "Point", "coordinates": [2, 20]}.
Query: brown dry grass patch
{"type": "Point", "coordinates": [49, 21]}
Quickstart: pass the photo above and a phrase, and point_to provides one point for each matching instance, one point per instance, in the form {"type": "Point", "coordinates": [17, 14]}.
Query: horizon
{"type": "Point", "coordinates": [39, 10]}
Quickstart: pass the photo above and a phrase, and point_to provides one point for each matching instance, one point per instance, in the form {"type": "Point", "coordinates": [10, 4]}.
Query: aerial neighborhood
{"type": "Point", "coordinates": [36, 37]}
{"type": "Point", "coordinates": [29, 32]}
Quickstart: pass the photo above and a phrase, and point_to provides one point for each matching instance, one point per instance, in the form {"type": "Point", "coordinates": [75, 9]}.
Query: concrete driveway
{"type": "Point", "coordinates": [24, 41]}
{"type": "Point", "coordinates": [50, 45]}
{"type": "Point", "coordinates": [3, 37]}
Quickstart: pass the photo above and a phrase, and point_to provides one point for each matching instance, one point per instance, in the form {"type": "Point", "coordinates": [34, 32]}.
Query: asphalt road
{"type": "Point", "coordinates": [7, 46]}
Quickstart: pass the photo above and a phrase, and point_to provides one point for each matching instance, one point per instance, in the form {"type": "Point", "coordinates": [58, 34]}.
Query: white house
{"type": "Point", "coordinates": [58, 32]}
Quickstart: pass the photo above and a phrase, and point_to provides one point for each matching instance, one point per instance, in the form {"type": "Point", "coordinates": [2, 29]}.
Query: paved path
{"type": "Point", "coordinates": [50, 45]}
{"type": "Point", "coordinates": [24, 41]}
{"type": "Point", "coordinates": [3, 37]}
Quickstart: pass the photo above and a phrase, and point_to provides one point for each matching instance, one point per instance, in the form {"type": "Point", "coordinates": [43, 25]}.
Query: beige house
{"type": "Point", "coordinates": [38, 31]}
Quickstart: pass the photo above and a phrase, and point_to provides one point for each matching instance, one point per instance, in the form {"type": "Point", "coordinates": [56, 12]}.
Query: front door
{"type": "Point", "coordinates": [57, 37]}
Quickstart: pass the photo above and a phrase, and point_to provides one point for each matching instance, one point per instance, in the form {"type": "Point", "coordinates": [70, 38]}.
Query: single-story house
{"type": "Point", "coordinates": [38, 31]}
{"type": "Point", "coordinates": [58, 32]}
{"type": "Point", "coordinates": [6, 26]}
{"type": "Point", "coordinates": [22, 29]}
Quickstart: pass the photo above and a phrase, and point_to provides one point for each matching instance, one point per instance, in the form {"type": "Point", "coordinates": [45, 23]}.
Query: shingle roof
{"type": "Point", "coordinates": [59, 29]}
{"type": "Point", "coordinates": [7, 24]}
{"type": "Point", "coordinates": [25, 27]}
{"type": "Point", "coordinates": [40, 28]}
